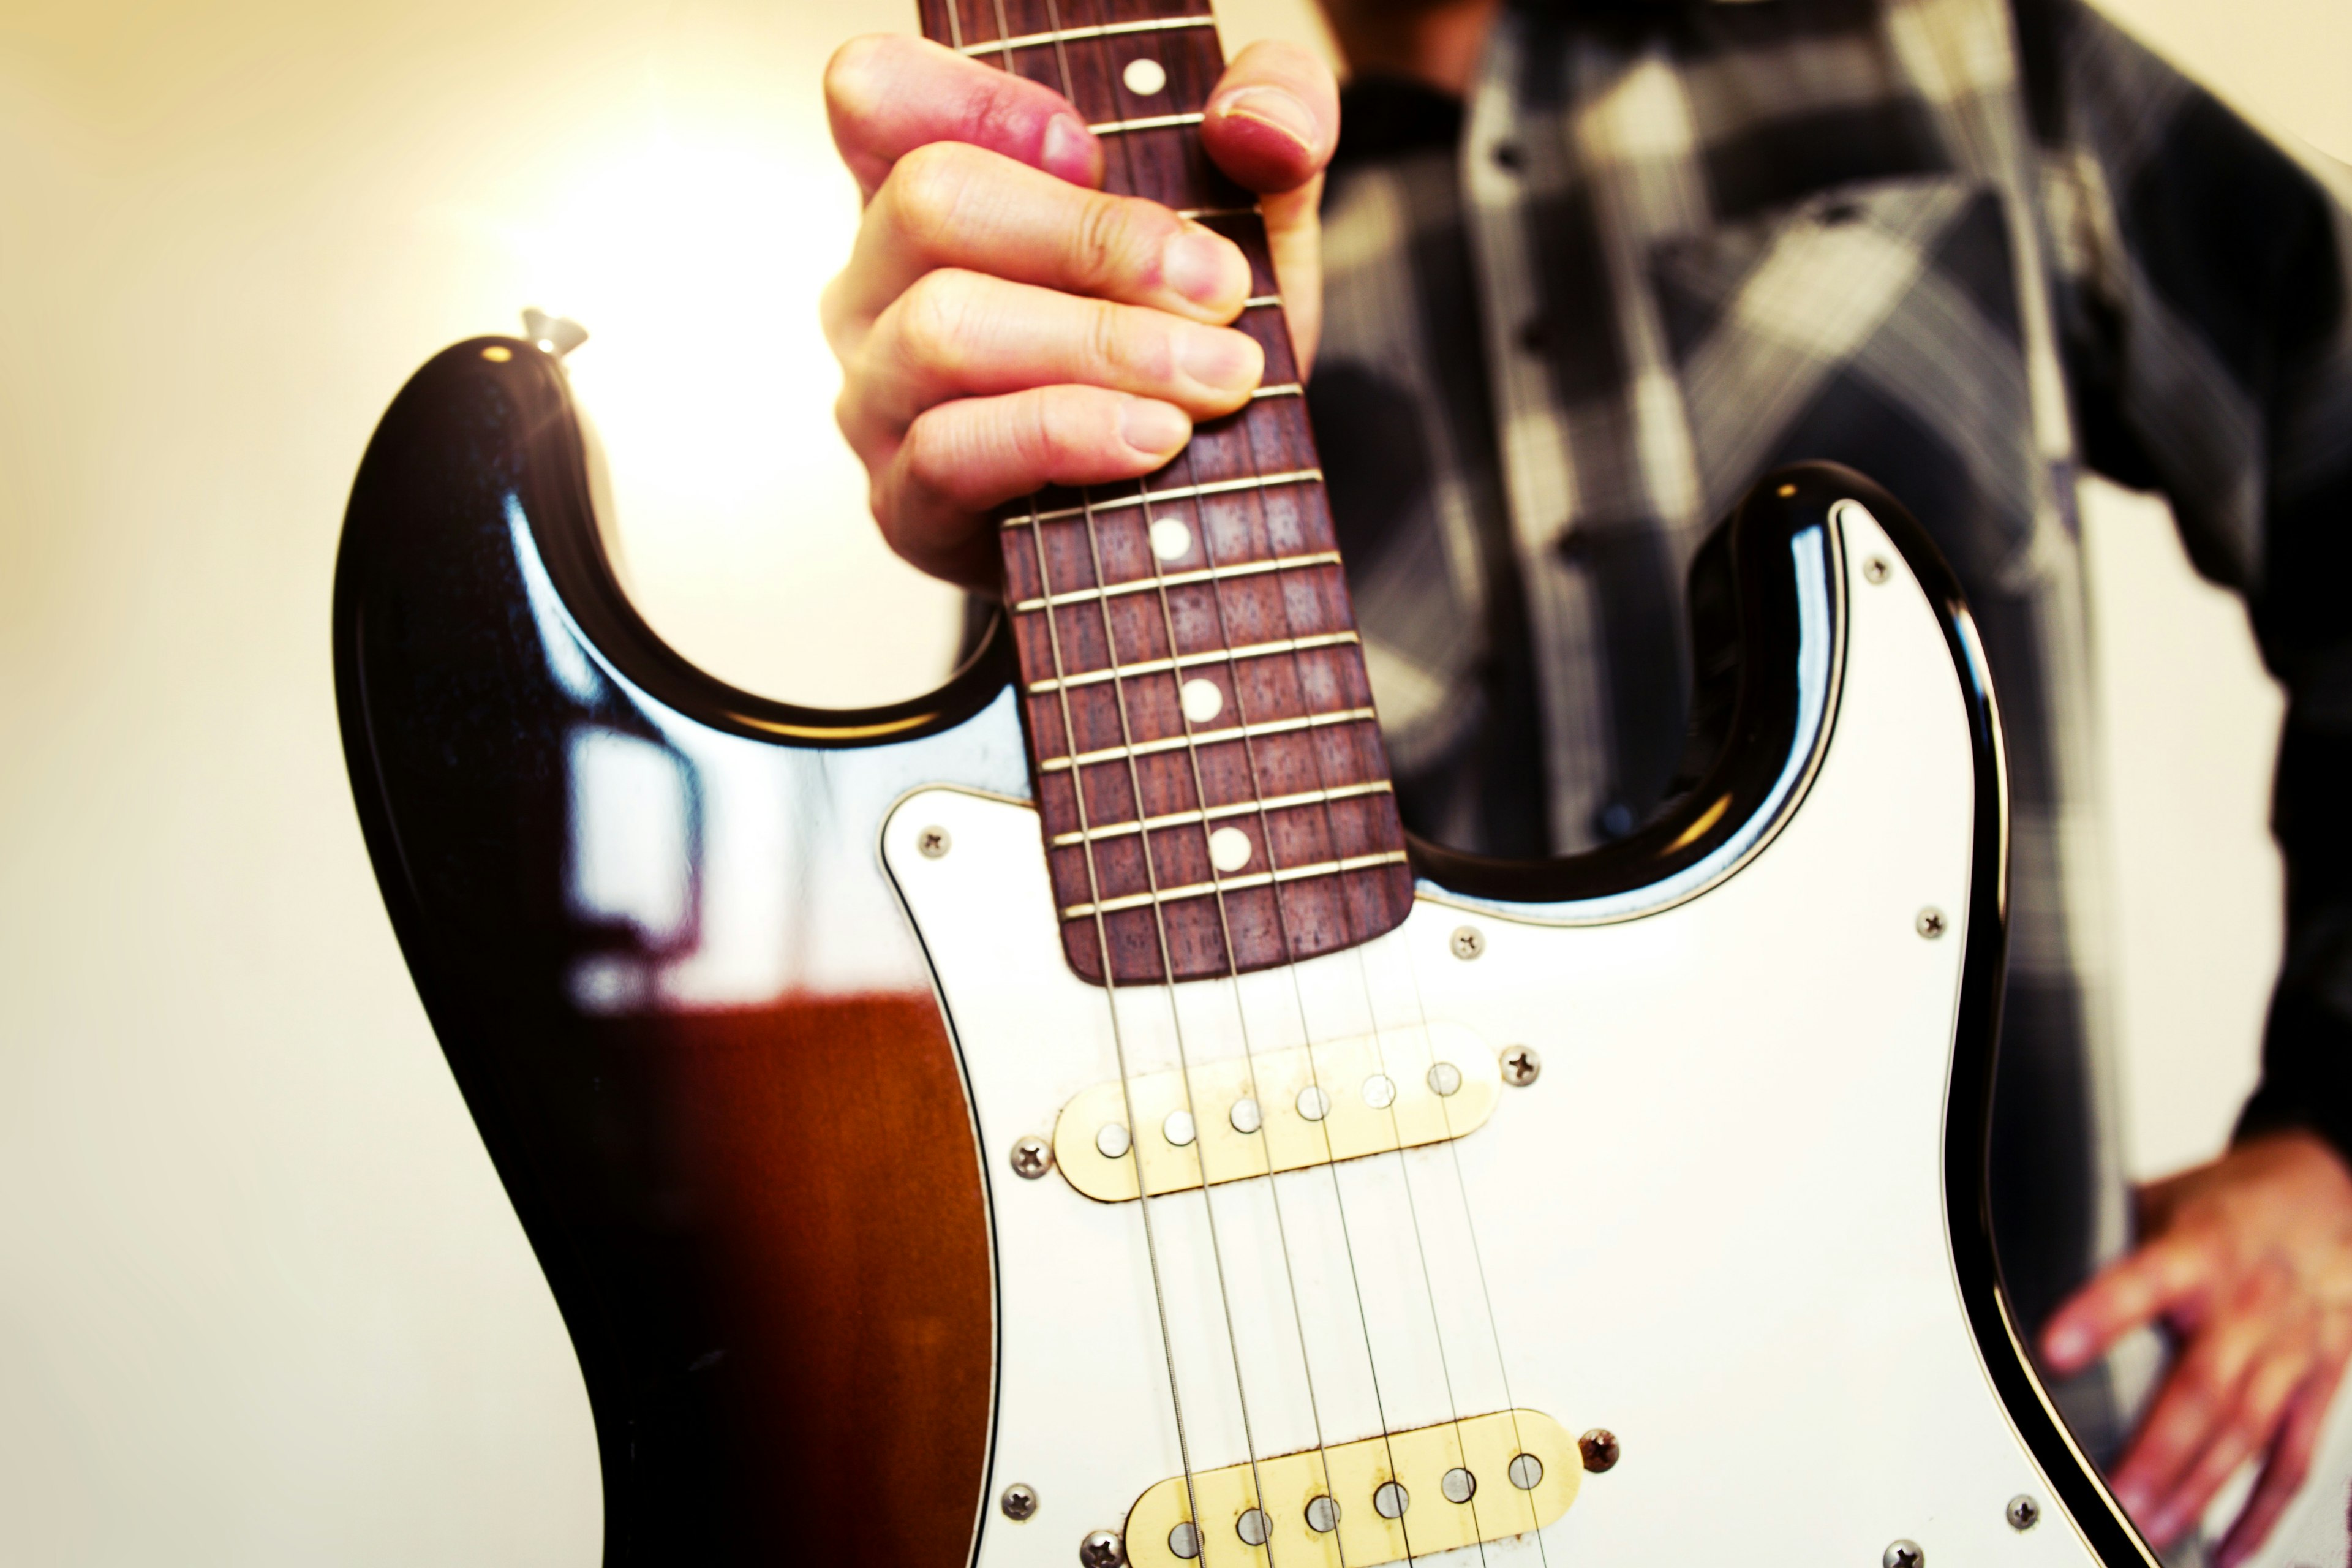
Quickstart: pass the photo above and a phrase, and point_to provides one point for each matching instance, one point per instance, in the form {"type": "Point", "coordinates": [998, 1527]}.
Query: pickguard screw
{"type": "Point", "coordinates": [1520, 1065]}
{"type": "Point", "coordinates": [1019, 1502]}
{"type": "Point", "coordinates": [2023, 1512]}
{"type": "Point", "coordinates": [1102, 1548]}
{"type": "Point", "coordinates": [1930, 923]}
{"type": "Point", "coordinates": [1599, 1449]}
{"type": "Point", "coordinates": [1468, 942]}
{"type": "Point", "coordinates": [1032, 1157]}
{"type": "Point", "coordinates": [1904, 1554]}
{"type": "Point", "coordinates": [933, 842]}
{"type": "Point", "coordinates": [1876, 569]}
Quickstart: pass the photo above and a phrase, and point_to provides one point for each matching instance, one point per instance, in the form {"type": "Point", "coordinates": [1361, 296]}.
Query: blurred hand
{"type": "Point", "coordinates": [2249, 1260]}
{"type": "Point", "coordinates": [1002, 324]}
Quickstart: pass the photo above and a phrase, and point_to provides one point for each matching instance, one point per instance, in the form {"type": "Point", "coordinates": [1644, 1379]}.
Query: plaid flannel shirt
{"type": "Point", "coordinates": [1967, 247]}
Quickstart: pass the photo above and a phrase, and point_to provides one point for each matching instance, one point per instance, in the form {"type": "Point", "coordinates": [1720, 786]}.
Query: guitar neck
{"type": "Point", "coordinates": [1214, 794]}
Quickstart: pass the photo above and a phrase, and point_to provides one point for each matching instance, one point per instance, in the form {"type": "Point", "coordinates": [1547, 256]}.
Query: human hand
{"type": "Point", "coordinates": [2249, 1260]}
{"type": "Point", "coordinates": [1002, 325]}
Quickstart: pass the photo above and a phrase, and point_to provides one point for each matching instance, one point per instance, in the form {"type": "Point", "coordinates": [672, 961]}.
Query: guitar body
{"type": "Point", "coordinates": [1064, 1117]}
{"type": "Point", "coordinates": [754, 1066]}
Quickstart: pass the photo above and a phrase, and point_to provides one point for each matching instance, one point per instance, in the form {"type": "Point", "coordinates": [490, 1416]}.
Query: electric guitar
{"type": "Point", "coordinates": [1065, 1118]}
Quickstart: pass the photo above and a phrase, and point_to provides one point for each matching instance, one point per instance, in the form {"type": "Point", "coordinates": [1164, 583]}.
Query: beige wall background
{"type": "Point", "coordinates": [261, 1299]}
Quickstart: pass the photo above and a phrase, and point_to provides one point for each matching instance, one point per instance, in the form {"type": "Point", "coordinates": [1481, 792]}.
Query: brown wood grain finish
{"type": "Point", "coordinates": [1219, 574]}
{"type": "Point", "coordinates": [827, 1138]}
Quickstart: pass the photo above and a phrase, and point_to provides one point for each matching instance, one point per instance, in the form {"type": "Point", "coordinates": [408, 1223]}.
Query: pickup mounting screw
{"type": "Point", "coordinates": [1032, 1158]}
{"type": "Point", "coordinates": [1467, 942]}
{"type": "Point", "coordinates": [1520, 1065]}
{"type": "Point", "coordinates": [1019, 1502]}
{"type": "Point", "coordinates": [1930, 923]}
{"type": "Point", "coordinates": [2023, 1512]}
{"type": "Point", "coordinates": [1599, 1448]}
{"type": "Point", "coordinates": [1102, 1548]}
{"type": "Point", "coordinates": [1904, 1554]}
{"type": "Point", "coordinates": [933, 842]}
{"type": "Point", "coordinates": [1876, 569]}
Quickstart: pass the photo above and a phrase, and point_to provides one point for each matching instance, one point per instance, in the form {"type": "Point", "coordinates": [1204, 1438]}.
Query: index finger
{"type": "Point", "coordinates": [2124, 1296]}
{"type": "Point", "coordinates": [886, 95]}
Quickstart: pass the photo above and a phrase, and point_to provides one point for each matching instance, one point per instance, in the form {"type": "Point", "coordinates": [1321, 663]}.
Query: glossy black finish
{"type": "Point", "coordinates": [1747, 713]}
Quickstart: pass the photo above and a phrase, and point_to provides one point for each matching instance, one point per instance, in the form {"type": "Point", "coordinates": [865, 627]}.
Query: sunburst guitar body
{"type": "Point", "coordinates": [1065, 1119]}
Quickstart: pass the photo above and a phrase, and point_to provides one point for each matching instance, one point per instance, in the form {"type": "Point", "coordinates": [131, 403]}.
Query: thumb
{"type": "Point", "coordinates": [1271, 124]}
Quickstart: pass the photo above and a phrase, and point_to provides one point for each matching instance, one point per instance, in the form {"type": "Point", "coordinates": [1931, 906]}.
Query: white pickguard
{"type": "Point", "coordinates": [1714, 1225]}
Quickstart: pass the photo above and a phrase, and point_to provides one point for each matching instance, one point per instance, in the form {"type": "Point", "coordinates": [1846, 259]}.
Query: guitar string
{"type": "Point", "coordinates": [1102, 938]}
{"type": "Point", "coordinates": [1372, 1020]}
{"type": "Point", "coordinates": [1166, 956]}
{"type": "Point", "coordinates": [1231, 959]}
{"type": "Point", "coordinates": [1308, 1032]}
{"type": "Point", "coordinates": [1241, 717]}
{"type": "Point", "coordinates": [1477, 1253]}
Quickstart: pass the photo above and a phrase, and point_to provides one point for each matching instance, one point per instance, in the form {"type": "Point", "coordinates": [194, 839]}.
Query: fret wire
{"type": "Point", "coordinates": [1102, 30]}
{"type": "Point", "coordinates": [1178, 492]}
{"type": "Point", "coordinates": [1238, 884]}
{"type": "Point", "coordinates": [1185, 660]}
{"type": "Point", "coordinates": [1204, 738]}
{"type": "Point", "coordinates": [1214, 813]}
{"type": "Point", "coordinates": [1259, 302]}
{"type": "Point", "coordinates": [1280, 389]}
{"type": "Point", "coordinates": [1199, 214]}
{"type": "Point", "coordinates": [1146, 122]}
{"type": "Point", "coordinates": [1178, 579]}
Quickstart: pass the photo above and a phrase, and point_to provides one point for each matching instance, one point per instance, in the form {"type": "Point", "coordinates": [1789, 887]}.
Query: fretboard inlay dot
{"type": "Point", "coordinates": [1229, 849]}
{"type": "Point", "coordinates": [1171, 540]}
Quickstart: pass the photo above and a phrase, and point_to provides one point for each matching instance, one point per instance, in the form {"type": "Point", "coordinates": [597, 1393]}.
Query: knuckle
{"type": "Point", "coordinates": [926, 191]}
{"type": "Point", "coordinates": [930, 319]}
{"type": "Point", "coordinates": [1115, 338]}
{"type": "Point", "coordinates": [1105, 240]}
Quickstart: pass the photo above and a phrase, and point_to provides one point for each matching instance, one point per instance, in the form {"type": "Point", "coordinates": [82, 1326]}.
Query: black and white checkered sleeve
{"type": "Point", "coordinates": [2205, 305]}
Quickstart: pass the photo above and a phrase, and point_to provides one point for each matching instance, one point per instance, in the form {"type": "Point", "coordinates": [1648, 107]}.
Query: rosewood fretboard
{"type": "Point", "coordinates": [1214, 794]}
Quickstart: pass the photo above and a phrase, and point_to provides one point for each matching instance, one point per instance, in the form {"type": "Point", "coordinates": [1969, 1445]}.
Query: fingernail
{"type": "Point", "coordinates": [1225, 361]}
{"type": "Point", "coordinates": [1150, 426]}
{"type": "Point", "coordinates": [1271, 106]}
{"type": "Point", "coordinates": [2068, 1346]}
{"type": "Point", "coordinates": [1069, 150]}
{"type": "Point", "coordinates": [1200, 266]}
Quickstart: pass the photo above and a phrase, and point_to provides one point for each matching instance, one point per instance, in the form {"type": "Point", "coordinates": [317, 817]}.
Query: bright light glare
{"type": "Point", "coordinates": [696, 262]}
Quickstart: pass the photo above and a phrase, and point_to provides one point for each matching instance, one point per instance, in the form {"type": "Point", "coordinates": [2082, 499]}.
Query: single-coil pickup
{"type": "Point", "coordinates": [1356, 1505]}
{"type": "Point", "coordinates": [1277, 1111]}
